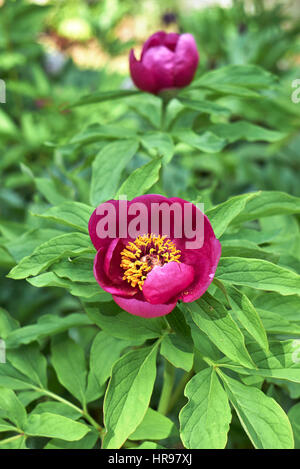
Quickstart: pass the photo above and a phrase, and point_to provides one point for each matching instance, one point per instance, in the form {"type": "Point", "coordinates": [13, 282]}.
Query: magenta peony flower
{"type": "Point", "coordinates": [167, 61]}
{"type": "Point", "coordinates": [148, 270]}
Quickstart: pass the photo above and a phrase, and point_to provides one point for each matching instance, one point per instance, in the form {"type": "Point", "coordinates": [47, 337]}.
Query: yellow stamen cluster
{"type": "Point", "coordinates": [147, 251]}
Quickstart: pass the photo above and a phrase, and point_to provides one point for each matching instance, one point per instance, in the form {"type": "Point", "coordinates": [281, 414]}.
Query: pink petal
{"type": "Point", "coordinates": [159, 61]}
{"type": "Point", "coordinates": [186, 60]}
{"type": "Point", "coordinates": [166, 282]}
{"type": "Point", "coordinates": [142, 77]}
{"type": "Point", "coordinates": [205, 262]}
{"type": "Point", "coordinates": [143, 308]}
{"type": "Point", "coordinates": [115, 289]}
{"type": "Point", "coordinates": [157, 39]}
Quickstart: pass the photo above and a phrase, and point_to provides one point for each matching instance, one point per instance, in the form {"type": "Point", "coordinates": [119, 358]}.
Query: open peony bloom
{"type": "Point", "coordinates": [147, 272]}
{"type": "Point", "coordinates": [167, 61]}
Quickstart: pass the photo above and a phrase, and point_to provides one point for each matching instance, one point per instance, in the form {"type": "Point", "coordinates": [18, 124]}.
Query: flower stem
{"type": "Point", "coordinates": [169, 375]}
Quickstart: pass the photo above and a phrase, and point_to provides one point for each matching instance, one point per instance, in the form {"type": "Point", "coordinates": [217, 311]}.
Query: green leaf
{"type": "Point", "coordinates": [58, 408]}
{"type": "Point", "coordinates": [105, 181]}
{"type": "Point", "coordinates": [6, 427]}
{"type": "Point", "coordinates": [248, 316]}
{"type": "Point", "coordinates": [7, 324]}
{"type": "Point", "coordinates": [18, 442]}
{"type": "Point", "coordinates": [286, 306]}
{"type": "Point", "coordinates": [53, 190]}
{"type": "Point", "coordinates": [160, 143]}
{"type": "Point", "coordinates": [102, 96]}
{"type": "Point", "coordinates": [55, 426]}
{"type": "Point", "coordinates": [268, 204]}
{"type": "Point", "coordinates": [70, 244]}
{"type": "Point", "coordinates": [29, 360]}
{"type": "Point", "coordinates": [86, 291]}
{"type": "Point", "coordinates": [11, 408]}
{"type": "Point", "coordinates": [249, 76]}
{"type": "Point", "coordinates": [12, 379]}
{"type": "Point", "coordinates": [73, 214]}
{"type": "Point", "coordinates": [128, 395]}
{"type": "Point", "coordinates": [276, 324]}
{"type": "Point", "coordinates": [87, 442]}
{"type": "Point", "coordinates": [123, 325]}
{"type": "Point", "coordinates": [294, 417]}
{"type": "Point", "coordinates": [154, 426]}
{"type": "Point", "coordinates": [79, 269]}
{"type": "Point", "coordinates": [105, 351]}
{"type": "Point", "coordinates": [46, 326]}
{"type": "Point", "coordinates": [205, 419]}
{"type": "Point", "coordinates": [178, 351]}
{"type": "Point", "coordinates": [281, 362]}
{"type": "Point", "coordinates": [222, 215]}
{"type": "Point", "coordinates": [206, 142]}
{"type": "Point", "coordinates": [262, 418]}
{"type": "Point", "coordinates": [259, 274]}
{"type": "Point", "coordinates": [213, 319]}
{"type": "Point", "coordinates": [205, 106]}
{"type": "Point", "coordinates": [141, 180]}
{"type": "Point", "coordinates": [95, 133]}
{"type": "Point", "coordinates": [69, 363]}
{"type": "Point", "coordinates": [243, 130]}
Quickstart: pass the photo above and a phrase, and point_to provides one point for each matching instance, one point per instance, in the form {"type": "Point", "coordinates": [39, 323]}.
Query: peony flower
{"type": "Point", "coordinates": [147, 272]}
{"type": "Point", "coordinates": [167, 61]}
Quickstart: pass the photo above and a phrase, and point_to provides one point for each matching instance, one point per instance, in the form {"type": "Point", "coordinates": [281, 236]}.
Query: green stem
{"type": "Point", "coordinates": [83, 412]}
{"type": "Point", "coordinates": [12, 438]}
{"type": "Point", "coordinates": [169, 375]}
{"type": "Point", "coordinates": [180, 389]}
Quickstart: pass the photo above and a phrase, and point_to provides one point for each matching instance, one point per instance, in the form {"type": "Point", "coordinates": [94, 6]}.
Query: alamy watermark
{"type": "Point", "coordinates": [131, 220]}
{"type": "Point", "coordinates": [296, 94]}
{"type": "Point", "coordinates": [2, 351]}
{"type": "Point", "coordinates": [2, 92]}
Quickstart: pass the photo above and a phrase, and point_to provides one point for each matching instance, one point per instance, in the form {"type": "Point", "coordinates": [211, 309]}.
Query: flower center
{"type": "Point", "coordinates": [146, 252]}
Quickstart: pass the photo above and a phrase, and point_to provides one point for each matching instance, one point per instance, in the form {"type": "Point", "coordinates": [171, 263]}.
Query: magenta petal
{"type": "Point", "coordinates": [115, 289]}
{"type": "Point", "coordinates": [159, 61]}
{"type": "Point", "coordinates": [186, 60]}
{"type": "Point", "coordinates": [166, 282]}
{"type": "Point", "coordinates": [206, 262]}
{"type": "Point", "coordinates": [97, 239]}
{"type": "Point", "coordinates": [112, 261]}
{"type": "Point", "coordinates": [157, 39]}
{"type": "Point", "coordinates": [142, 77]}
{"type": "Point", "coordinates": [143, 308]}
